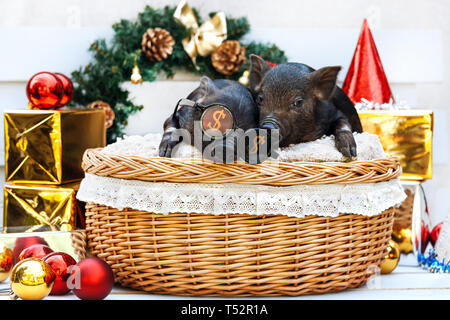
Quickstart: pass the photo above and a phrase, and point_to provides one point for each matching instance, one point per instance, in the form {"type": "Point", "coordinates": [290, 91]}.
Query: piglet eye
{"type": "Point", "coordinates": [297, 103]}
{"type": "Point", "coordinates": [259, 99]}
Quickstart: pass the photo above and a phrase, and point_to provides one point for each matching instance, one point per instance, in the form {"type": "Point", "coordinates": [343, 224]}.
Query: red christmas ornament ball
{"type": "Point", "coordinates": [37, 251]}
{"type": "Point", "coordinates": [67, 88]}
{"type": "Point", "coordinates": [434, 235]}
{"type": "Point", "coordinates": [45, 90]}
{"type": "Point", "coordinates": [60, 262]}
{"type": "Point", "coordinates": [25, 242]}
{"type": "Point", "coordinates": [96, 279]}
{"type": "Point", "coordinates": [425, 237]}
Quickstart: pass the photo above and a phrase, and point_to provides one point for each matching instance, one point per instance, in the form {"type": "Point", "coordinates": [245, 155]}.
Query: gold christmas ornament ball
{"type": "Point", "coordinates": [109, 112]}
{"type": "Point", "coordinates": [391, 259]}
{"type": "Point", "coordinates": [6, 261]}
{"type": "Point", "coordinates": [403, 237]}
{"type": "Point", "coordinates": [32, 279]}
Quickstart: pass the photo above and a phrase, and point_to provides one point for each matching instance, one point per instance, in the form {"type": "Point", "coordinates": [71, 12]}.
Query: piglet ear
{"type": "Point", "coordinates": [324, 81]}
{"type": "Point", "coordinates": [258, 69]}
{"type": "Point", "coordinates": [206, 87]}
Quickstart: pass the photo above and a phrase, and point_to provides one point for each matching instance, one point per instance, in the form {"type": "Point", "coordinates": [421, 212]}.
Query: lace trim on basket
{"type": "Point", "coordinates": [296, 201]}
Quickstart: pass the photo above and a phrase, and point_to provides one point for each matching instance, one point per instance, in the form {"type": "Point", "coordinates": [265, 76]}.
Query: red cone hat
{"type": "Point", "coordinates": [365, 77]}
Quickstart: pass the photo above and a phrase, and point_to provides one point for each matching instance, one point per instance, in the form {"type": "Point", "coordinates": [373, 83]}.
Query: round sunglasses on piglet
{"type": "Point", "coordinates": [217, 119]}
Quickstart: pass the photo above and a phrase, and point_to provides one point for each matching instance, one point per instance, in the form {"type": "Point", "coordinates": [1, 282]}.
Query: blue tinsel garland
{"type": "Point", "coordinates": [432, 264]}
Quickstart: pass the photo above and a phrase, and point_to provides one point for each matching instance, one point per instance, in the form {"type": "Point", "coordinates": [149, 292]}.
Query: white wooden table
{"type": "Point", "coordinates": [407, 281]}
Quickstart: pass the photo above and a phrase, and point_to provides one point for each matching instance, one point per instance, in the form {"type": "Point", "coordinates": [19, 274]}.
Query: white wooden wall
{"type": "Point", "coordinates": [412, 36]}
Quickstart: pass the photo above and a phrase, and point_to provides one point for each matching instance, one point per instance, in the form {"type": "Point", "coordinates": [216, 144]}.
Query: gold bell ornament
{"type": "Point", "coordinates": [391, 259]}
{"type": "Point", "coordinates": [244, 78]}
{"type": "Point", "coordinates": [32, 279]}
{"type": "Point", "coordinates": [403, 239]}
{"type": "Point", "coordinates": [6, 261]}
{"type": "Point", "coordinates": [136, 75]}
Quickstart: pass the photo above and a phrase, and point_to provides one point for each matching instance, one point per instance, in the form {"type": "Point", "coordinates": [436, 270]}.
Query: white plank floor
{"type": "Point", "coordinates": [407, 281]}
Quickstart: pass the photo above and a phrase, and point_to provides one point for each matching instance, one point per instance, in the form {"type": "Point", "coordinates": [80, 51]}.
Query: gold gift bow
{"type": "Point", "coordinates": [204, 39]}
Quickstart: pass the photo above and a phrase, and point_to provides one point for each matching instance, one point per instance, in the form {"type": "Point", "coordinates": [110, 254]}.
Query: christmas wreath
{"type": "Point", "coordinates": [158, 41]}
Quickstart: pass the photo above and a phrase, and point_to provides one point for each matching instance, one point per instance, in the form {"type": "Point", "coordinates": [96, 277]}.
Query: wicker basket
{"type": "Point", "coordinates": [403, 214]}
{"type": "Point", "coordinates": [238, 254]}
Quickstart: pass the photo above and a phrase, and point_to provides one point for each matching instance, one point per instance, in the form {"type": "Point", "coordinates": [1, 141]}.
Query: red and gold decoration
{"type": "Point", "coordinates": [71, 242]}
{"type": "Point", "coordinates": [434, 235]}
{"type": "Point", "coordinates": [32, 279]}
{"type": "Point", "coordinates": [425, 236]}
{"type": "Point", "coordinates": [228, 58]}
{"type": "Point", "coordinates": [45, 90]}
{"type": "Point", "coordinates": [6, 261]}
{"type": "Point", "coordinates": [60, 263]}
{"type": "Point", "coordinates": [365, 77]}
{"type": "Point", "coordinates": [96, 279]}
{"type": "Point", "coordinates": [37, 251]}
{"type": "Point", "coordinates": [67, 89]}
{"type": "Point", "coordinates": [204, 39]}
{"type": "Point", "coordinates": [391, 259]}
{"type": "Point", "coordinates": [43, 146]}
{"type": "Point", "coordinates": [22, 243]}
{"type": "Point", "coordinates": [157, 44]}
{"type": "Point", "coordinates": [109, 112]}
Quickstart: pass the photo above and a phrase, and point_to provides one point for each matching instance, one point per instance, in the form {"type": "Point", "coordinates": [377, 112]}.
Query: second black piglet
{"type": "Point", "coordinates": [303, 104]}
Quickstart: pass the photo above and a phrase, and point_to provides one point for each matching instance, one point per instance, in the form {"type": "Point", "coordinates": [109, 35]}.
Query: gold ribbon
{"type": "Point", "coordinates": [201, 40]}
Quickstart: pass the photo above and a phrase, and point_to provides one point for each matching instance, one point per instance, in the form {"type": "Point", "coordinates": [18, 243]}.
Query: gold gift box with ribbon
{"type": "Point", "coordinates": [46, 146]}
{"type": "Point", "coordinates": [406, 134]}
{"type": "Point", "coordinates": [42, 207]}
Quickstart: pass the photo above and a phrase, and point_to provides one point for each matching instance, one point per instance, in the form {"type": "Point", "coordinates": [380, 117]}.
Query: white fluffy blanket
{"type": "Point", "coordinates": [321, 150]}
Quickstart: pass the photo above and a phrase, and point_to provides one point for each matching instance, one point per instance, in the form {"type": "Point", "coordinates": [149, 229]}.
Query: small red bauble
{"type": "Point", "coordinates": [45, 90]}
{"type": "Point", "coordinates": [37, 251]}
{"type": "Point", "coordinates": [23, 243]}
{"type": "Point", "coordinates": [435, 233]}
{"type": "Point", "coordinates": [271, 64]}
{"type": "Point", "coordinates": [59, 262]}
{"type": "Point", "coordinates": [67, 88]}
{"type": "Point", "coordinates": [425, 237]}
{"type": "Point", "coordinates": [96, 279]}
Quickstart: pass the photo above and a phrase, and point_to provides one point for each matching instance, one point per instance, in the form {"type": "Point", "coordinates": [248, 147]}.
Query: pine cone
{"type": "Point", "coordinates": [228, 57]}
{"type": "Point", "coordinates": [157, 44]}
{"type": "Point", "coordinates": [109, 112]}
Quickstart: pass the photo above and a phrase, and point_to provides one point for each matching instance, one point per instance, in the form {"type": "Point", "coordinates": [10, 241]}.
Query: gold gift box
{"type": "Point", "coordinates": [406, 134]}
{"type": "Point", "coordinates": [42, 207]}
{"type": "Point", "coordinates": [46, 146]}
